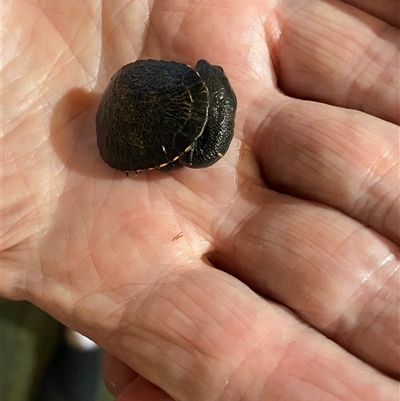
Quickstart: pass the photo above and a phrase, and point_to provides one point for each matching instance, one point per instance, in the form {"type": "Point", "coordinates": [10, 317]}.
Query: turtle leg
{"type": "Point", "coordinates": [204, 151]}
{"type": "Point", "coordinates": [214, 142]}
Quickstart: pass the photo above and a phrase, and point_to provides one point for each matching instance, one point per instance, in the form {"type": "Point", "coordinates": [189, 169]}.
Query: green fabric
{"type": "Point", "coordinates": [28, 337]}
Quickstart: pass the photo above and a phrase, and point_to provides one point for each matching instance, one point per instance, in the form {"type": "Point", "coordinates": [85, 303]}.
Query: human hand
{"type": "Point", "coordinates": [303, 208]}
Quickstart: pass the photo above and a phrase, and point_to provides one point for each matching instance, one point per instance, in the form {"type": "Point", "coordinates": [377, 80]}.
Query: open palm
{"type": "Point", "coordinates": [273, 274]}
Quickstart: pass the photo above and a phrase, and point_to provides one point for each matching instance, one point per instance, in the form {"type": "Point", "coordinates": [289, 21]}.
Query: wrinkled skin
{"type": "Point", "coordinates": [285, 283]}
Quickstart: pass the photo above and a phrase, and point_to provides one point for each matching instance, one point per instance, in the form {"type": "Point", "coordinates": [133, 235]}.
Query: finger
{"type": "Point", "coordinates": [338, 157]}
{"type": "Point", "coordinates": [141, 389]}
{"type": "Point", "coordinates": [117, 375]}
{"type": "Point", "coordinates": [336, 274]}
{"type": "Point", "coordinates": [386, 10]}
{"type": "Point", "coordinates": [334, 53]}
{"type": "Point", "coordinates": [201, 335]}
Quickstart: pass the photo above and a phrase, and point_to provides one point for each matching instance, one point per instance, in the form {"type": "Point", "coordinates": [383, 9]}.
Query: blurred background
{"type": "Point", "coordinates": [28, 340]}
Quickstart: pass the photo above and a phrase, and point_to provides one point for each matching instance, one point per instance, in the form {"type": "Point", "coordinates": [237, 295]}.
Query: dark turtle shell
{"type": "Point", "coordinates": [154, 113]}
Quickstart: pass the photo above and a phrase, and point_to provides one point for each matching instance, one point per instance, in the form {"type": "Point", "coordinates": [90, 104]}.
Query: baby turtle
{"type": "Point", "coordinates": [165, 115]}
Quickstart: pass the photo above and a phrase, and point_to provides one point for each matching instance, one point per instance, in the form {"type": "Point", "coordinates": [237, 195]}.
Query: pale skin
{"type": "Point", "coordinates": [285, 281]}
